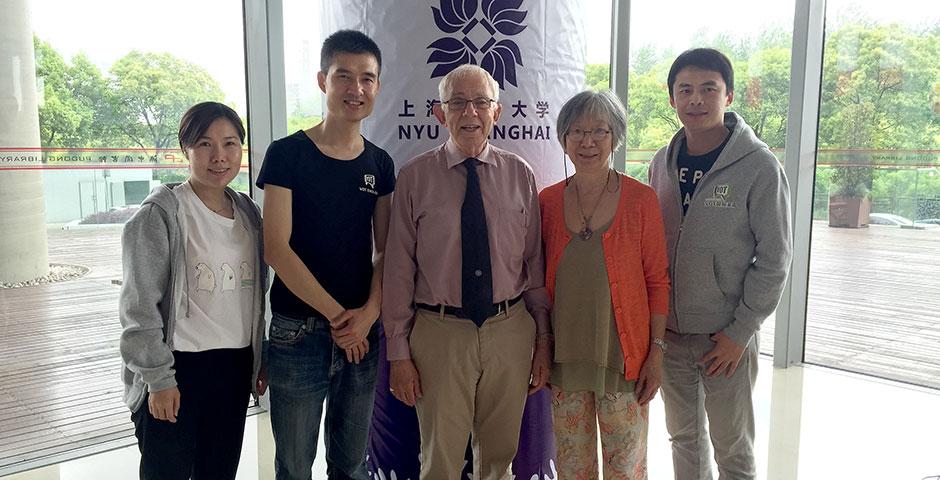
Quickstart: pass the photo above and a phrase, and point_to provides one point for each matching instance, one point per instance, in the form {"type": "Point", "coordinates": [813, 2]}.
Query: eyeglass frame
{"type": "Point", "coordinates": [473, 101]}
{"type": "Point", "coordinates": [597, 134]}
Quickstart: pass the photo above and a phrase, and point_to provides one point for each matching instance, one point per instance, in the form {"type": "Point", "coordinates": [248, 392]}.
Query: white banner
{"type": "Point", "coordinates": [535, 49]}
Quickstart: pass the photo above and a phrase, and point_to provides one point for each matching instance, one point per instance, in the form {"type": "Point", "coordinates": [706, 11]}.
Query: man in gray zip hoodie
{"type": "Point", "coordinates": [726, 209]}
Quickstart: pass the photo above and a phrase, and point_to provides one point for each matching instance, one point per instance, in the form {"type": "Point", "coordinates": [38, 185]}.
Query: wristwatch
{"type": "Point", "coordinates": [660, 343]}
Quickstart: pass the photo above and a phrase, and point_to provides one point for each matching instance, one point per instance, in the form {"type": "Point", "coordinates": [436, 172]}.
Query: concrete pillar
{"type": "Point", "coordinates": [23, 254]}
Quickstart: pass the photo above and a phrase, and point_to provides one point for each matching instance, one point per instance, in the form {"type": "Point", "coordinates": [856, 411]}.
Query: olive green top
{"type": "Point", "coordinates": [588, 356]}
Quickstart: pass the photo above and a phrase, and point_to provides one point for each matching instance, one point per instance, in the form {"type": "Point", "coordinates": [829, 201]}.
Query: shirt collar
{"type": "Point", "coordinates": [455, 157]}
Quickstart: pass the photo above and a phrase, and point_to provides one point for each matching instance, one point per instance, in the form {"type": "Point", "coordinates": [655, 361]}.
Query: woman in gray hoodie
{"type": "Point", "coordinates": [192, 308]}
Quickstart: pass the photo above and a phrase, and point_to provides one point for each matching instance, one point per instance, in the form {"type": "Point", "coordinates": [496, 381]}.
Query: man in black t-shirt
{"type": "Point", "coordinates": [326, 210]}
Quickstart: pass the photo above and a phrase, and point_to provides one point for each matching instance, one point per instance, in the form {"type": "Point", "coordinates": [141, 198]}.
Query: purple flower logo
{"type": "Point", "coordinates": [476, 33]}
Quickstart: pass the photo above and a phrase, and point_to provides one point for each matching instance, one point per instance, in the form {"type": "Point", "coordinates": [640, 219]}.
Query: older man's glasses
{"type": "Point", "coordinates": [459, 104]}
{"type": "Point", "coordinates": [598, 134]}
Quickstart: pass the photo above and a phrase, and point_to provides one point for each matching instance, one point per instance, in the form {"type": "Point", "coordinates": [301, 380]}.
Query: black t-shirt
{"type": "Point", "coordinates": [332, 206]}
{"type": "Point", "coordinates": [692, 168]}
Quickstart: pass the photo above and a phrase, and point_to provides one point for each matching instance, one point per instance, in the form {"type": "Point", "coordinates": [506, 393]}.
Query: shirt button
{"type": "Point", "coordinates": [610, 259]}
{"type": "Point", "coordinates": [613, 286]}
{"type": "Point", "coordinates": [619, 310]}
{"type": "Point", "coordinates": [478, 273]}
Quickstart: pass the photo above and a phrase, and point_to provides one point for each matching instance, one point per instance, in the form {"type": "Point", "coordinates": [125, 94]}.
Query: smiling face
{"type": "Point", "coordinates": [469, 127]}
{"type": "Point", "coordinates": [700, 98]}
{"type": "Point", "coordinates": [216, 156]}
{"type": "Point", "coordinates": [589, 154]}
{"type": "Point", "coordinates": [350, 85]}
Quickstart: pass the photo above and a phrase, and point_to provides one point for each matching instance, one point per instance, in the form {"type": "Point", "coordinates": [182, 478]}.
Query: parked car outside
{"type": "Point", "coordinates": [888, 219]}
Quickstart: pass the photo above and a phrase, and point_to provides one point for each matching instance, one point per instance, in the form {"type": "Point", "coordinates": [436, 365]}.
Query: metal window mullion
{"type": "Point", "coordinates": [267, 91]}
{"type": "Point", "coordinates": [620, 63]}
{"type": "Point", "coordinates": [800, 167]}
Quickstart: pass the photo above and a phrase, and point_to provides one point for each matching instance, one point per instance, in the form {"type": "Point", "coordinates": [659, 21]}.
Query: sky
{"type": "Point", "coordinates": [210, 33]}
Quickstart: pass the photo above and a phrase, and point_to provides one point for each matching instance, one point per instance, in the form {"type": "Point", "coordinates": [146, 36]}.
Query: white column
{"type": "Point", "coordinates": [800, 166]}
{"type": "Point", "coordinates": [23, 253]}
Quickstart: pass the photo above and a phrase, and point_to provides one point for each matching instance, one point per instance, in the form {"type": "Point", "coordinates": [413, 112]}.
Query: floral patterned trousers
{"type": "Point", "coordinates": [623, 425]}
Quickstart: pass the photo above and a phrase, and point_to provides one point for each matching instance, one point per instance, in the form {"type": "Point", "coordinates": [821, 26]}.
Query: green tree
{"type": "Point", "coordinates": [762, 87]}
{"type": "Point", "coordinates": [876, 84]}
{"type": "Point", "coordinates": [61, 115]}
{"type": "Point", "coordinates": [301, 122]}
{"type": "Point", "coordinates": [652, 120]}
{"type": "Point", "coordinates": [151, 91]}
{"type": "Point", "coordinates": [597, 76]}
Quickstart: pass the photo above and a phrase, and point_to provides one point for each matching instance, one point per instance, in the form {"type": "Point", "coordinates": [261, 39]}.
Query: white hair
{"type": "Point", "coordinates": [466, 70]}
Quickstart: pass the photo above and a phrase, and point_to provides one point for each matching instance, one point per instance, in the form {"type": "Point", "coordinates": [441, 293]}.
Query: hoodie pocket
{"type": "Point", "coordinates": [697, 288]}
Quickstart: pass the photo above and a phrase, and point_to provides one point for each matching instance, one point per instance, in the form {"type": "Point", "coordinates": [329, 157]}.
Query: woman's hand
{"type": "Point", "coordinates": [165, 404]}
{"type": "Point", "coordinates": [651, 376]}
{"type": "Point", "coordinates": [262, 385]}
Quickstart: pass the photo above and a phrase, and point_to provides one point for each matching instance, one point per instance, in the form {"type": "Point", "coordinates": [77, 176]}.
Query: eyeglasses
{"type": "Point", "coordinates": [479, 103]}
{"type": "Point", "coordinates": [576, 134]}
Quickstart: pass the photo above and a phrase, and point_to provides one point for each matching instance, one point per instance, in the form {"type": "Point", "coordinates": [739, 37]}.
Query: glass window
{"type": "Point", "coordinates": [89, 127]}
{"type": "Point", "coordinates": [302, 41]}
{"type": "Point", "coordinates": [873, 286]}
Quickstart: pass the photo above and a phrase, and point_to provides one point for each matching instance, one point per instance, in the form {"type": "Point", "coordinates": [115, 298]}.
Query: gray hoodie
{"type": "Point", "coordinates": [154, 262]}
{"type": "Point", "coordinates": [730, 254]}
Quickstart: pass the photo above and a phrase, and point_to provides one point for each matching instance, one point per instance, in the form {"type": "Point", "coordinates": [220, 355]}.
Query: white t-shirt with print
{"type": "Point", "coordinates": [221, 265]}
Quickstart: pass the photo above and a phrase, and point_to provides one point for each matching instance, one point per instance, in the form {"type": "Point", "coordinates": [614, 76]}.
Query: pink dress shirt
{"type": "Point", "coordinates": [422, 253]}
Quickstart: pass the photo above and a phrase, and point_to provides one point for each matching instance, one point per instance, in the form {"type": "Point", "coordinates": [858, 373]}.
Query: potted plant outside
{"type": "Point", "coordinates": [849, 197]}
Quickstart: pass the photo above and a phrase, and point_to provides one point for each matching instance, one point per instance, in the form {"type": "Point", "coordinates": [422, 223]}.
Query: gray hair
{"type": "Point", "coordinates": [603, 105]}
{"type": "Point", "coordinates": [446, 87]}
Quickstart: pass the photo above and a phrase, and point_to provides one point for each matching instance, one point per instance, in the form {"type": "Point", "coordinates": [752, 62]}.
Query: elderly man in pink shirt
{"type": "Point", "coordinates": [464, 248]}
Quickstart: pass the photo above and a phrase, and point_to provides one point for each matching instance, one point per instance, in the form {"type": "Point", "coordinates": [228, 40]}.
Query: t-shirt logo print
{"type": "Point", "coordinates": [478, 31]}
{"type": "Point", "coordinates": [369, 180]}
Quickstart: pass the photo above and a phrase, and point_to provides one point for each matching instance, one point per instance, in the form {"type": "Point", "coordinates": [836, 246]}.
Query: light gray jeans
{"type": "Point", "coordinates": [691, 397]}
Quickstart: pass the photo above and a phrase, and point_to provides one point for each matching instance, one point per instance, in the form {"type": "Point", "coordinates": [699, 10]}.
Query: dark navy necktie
{"type": "Point", "coordinates": [476, 275]}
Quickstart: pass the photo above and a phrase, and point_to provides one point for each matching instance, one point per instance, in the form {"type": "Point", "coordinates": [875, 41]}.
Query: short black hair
{"type": "Point", "coordinates": [200, 116]}
{"type": "Point", "coordinates": [347, 41]}
{"type": "Point", "coordinates": [704, 59]}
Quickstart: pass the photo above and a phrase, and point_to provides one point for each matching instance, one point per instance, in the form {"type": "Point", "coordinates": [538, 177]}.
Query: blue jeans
{"type": "Point", "coordinates": [304, 368]}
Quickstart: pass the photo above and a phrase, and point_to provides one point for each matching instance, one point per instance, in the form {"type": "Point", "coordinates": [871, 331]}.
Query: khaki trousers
{"type": "Point", "coordinates": [691, 397]}
{"type": "Point", "coordinates": [474, 382]}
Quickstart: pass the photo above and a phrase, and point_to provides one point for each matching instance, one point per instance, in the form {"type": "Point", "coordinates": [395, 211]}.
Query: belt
{"type": "Point", "coordinates": [458, 312]}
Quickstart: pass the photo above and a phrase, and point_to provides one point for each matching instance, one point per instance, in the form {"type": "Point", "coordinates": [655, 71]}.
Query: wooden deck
{"type": "Point", "coordinates": [60, 385]}
{"type": "Point", "coordinates": [874, 302]}
{"type": "Point", "coordinates": [873, 308]}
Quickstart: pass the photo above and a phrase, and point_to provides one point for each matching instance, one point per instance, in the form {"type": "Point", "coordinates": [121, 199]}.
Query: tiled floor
{"type": "Point", "coordinates": [812, 423]}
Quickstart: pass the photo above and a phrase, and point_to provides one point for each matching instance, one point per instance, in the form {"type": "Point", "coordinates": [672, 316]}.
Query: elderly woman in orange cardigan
{"type": "Point", "coordinates": [607, 274]}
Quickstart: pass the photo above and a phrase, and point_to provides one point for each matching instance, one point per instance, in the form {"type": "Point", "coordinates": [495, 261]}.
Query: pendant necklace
{"type": "Point", "coordinates": [586, 233]}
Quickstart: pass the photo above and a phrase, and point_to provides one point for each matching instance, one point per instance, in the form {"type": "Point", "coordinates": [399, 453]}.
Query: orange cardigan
{"type": "Point", "coordinates": [637, 267]}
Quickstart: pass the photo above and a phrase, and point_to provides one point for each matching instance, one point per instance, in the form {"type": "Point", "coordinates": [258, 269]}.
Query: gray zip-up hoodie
{"type": "Point", "coordinates": [154, 262]}
{"type": "Point", "coordinates": [730, 254]}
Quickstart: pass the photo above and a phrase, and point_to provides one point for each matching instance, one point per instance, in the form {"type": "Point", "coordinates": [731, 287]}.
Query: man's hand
{"type": "Point", "coordinates": [357, 352]}
{"type": "Point", "coordinates": [724, 357]}
{"type": "Point", "coordinates": [541, 364]}
{"type": "Point", "coordinates": [651, 376]}
{"type": "Point", "coordinates": [352, 326]}
{"type": "Point", "coordinates": [404, 383]}
{"type": "Point", "coordinates": [262, 385]}
{"type": "Point", "coordinates": [165, 404]}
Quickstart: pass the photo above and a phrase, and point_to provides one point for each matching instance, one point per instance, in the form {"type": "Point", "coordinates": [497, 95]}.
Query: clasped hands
{"type": "Point", "coordinates": [350, 330]}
